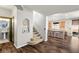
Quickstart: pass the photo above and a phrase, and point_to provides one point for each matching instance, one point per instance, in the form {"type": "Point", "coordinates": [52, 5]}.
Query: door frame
{"type": "Point", "coordinates": [10, 28]}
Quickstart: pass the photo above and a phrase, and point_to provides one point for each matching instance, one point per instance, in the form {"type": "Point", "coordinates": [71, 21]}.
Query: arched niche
{"type": "Point", "coordinates": [26, 25]}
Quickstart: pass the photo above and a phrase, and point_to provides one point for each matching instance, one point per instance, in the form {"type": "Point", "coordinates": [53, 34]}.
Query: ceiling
{"type": "Point", "coordinates": [46, 9]}
{"type": "Point", "coordinates": [7, 7]}
{"type": "Point", "coordinates": [52, 9]}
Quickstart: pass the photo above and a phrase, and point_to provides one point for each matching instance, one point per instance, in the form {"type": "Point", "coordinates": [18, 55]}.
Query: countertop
{"type": "Point", "coordinates": [56, 30]}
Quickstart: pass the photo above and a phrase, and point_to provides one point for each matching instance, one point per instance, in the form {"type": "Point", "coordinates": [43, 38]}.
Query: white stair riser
{"type": "Point", "coordinates": [36, 38]}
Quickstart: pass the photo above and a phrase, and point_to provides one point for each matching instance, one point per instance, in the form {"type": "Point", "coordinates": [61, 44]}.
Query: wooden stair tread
{"type": "Point", "coordinates": [36, 38]}
{"type": "Point", "coordinates": [35, 42]}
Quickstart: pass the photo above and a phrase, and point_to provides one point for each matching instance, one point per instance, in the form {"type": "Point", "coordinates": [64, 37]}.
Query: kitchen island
{"type": "Point", "coordinates": [61, 37]}
{"type": "Point", "coordinates": [57, 33]}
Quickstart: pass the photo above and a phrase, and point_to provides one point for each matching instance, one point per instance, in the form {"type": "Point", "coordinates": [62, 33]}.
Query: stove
{"type": "Point", "coordinates": [76, 34]}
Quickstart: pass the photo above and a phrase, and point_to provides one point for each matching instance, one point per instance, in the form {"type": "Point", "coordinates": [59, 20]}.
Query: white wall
{"type": "Point", "coordinates": [68, 26]}
{"type": "Point", "coordinates": [39, 22]}
{"type": "Point", "coordinates": [5, 12]}
{"type": "Point", "coordinates": [57, 17]}
{"type": "Point", "coordinates": [46, 28]}
{"type": "Point", "coordinates": [24, 38]}
{"type": "Point", "coordinates": [74, 14]}
{"type": "Point", "coordinates": [14, 14]}
{"type": "Point", "coordinates": [21, 39]}
{"type": "Point", "coordinates": [60, 16]}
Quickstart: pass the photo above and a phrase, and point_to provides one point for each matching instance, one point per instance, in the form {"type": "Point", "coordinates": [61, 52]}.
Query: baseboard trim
{"type": "Point", "coordinates": [45, 40]}
{"type": "Point", "coordinates": [20, 46]}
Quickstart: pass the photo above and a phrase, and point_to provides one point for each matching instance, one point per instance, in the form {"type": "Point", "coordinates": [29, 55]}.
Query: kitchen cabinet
{"type": "Point", "coordinates": [50, 24]}
{"type": "Point", "coordinates": [62, 24]}
{"type": "Point", "coordinates": [75, 22]}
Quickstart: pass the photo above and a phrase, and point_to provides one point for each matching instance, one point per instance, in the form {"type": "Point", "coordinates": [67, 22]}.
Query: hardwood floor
{"type": "Point", "coordinates": [53, 45]}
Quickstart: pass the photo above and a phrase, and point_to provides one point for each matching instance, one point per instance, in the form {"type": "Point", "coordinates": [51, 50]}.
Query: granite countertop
{"type": "Point", "coordinates": [56, 30]}
{"type": "Point", "coordinates": [75, 36]}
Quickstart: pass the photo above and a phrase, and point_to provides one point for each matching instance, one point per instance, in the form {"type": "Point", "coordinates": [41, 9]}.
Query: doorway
{"type": "Point", "coordinates": [6, 28]}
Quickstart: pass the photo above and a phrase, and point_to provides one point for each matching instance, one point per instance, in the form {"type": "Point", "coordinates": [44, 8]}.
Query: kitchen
{"type": "Point", "coordinates": [65, 30]}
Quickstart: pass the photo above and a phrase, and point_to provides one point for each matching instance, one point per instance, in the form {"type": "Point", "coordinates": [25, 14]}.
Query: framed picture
{"type": "Point", "coordinates": [3, 24]}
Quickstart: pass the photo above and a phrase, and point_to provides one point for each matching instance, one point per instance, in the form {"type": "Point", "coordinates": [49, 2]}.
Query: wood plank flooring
{"type": "Point", "coordinates": [53, 45]}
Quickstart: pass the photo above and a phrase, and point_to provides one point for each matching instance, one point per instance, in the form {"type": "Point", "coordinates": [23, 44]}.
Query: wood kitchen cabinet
{"type": "Point", "coordinates": [50, 25]}
{"type": "Point", "coordinates": [75, 22]}
{"type": "Point", "coordinates": [62, 24]}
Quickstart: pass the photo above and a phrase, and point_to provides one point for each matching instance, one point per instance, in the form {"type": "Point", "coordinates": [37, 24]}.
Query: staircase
{"type": "Point", "coordinates": [36, 38]}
